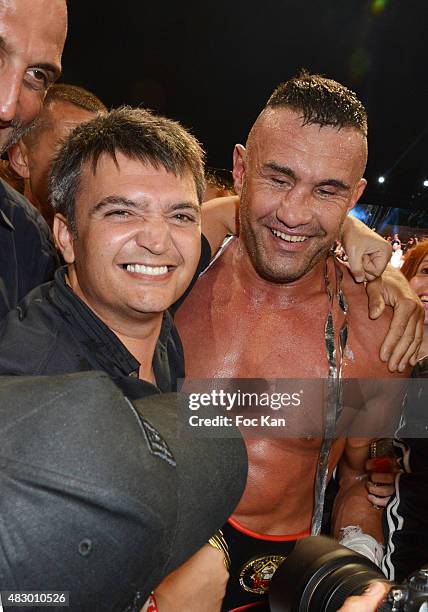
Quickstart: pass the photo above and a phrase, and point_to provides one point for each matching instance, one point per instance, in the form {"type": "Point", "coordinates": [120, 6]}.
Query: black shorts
{"type": "Point", "coordinates": [254, 559]}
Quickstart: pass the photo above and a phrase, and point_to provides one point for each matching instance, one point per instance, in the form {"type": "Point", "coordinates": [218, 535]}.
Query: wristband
{"type": "Point", "coordinates": [218, 541]}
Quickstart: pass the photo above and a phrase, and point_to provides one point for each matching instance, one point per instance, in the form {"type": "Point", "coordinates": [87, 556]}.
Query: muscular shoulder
{"type": "Point", "coordinates": [210, 285]}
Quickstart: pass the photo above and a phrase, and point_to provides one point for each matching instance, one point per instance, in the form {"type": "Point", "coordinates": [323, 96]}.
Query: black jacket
{"type": "Point", "coordinates": [27, 255]}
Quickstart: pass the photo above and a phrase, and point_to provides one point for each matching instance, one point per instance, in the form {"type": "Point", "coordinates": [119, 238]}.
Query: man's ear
{"type": "Point", "coordinates": [358, 192]}
{"type": "Point", "coordinates": [239, 157]}
{"type": "Point", "coordinates": [64, 238]}
{"type": "Point", "coordinates": [18, 159]}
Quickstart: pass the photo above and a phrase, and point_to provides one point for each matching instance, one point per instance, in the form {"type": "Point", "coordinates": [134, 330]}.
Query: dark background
{"type": "Point", "coordinates": [212, 65]}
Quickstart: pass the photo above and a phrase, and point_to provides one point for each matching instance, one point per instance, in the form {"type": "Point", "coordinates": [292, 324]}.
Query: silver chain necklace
{"type": "Point", "coordinates": [334, 400]}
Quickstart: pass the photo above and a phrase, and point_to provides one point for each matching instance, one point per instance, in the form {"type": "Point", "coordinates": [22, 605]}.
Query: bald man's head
{"type": "Point", "coordinates": [32, 37]}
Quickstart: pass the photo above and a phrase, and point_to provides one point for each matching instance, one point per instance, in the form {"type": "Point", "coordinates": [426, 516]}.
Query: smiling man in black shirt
{"type": "Point", "coordinates": [127, 189]}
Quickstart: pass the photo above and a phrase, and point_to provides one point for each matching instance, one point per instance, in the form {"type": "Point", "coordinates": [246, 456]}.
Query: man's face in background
{"type": "Point", "coordinates": [32, 37]}
{"type": "Point", "coordinates": [33, 155]}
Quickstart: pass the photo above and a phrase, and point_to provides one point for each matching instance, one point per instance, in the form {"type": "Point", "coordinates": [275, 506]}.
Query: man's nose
{"type": "Point", "coordinates": [154, 235]}
{"type": "Point", "coordinates": [10, 90]}
{"type": "Point", "coordinates": [295, 208]}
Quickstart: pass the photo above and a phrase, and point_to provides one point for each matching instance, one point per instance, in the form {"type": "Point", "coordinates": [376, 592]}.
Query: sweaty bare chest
{"type": "Point", "coordinates": [229, 335]}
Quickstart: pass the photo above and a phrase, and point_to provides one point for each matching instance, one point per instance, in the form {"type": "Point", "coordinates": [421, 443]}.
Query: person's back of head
{"type": "Point", "coordinates": [65, 107]}
{"type": "Point", "coordinates": [106, 517]}
{"type": "Point", "coordinates": [73, 94]}
{"type": "Point", "coordinates": [219, 183]}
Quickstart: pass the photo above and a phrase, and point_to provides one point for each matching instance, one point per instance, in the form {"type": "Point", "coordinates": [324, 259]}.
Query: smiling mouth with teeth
{"type": "Point", "coordinates": [288, 237]}
{"type": "Point", "coordinates": [148, 270]}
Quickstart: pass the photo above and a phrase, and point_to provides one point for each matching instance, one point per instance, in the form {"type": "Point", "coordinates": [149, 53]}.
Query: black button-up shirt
{"type": "Point", "coordinates": [27, 254]}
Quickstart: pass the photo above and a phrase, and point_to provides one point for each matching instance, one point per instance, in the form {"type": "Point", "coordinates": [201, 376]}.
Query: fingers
{"type": "Point", "coordinates": [368, 601]}
{"type": "Point", "coordinates": [403, 338]}
{"type": "Point", "coordinates": [356, 266]}
{"type": "Point", "coordinates": [375, 263]}
{"type": "Point", "coordinates": [417, 342]}
{"type": "Point", "coordinates": [376, 301]}
{"type": "Point", "coordinates": [381, 487]}
{"type": "Point", "coordinates": [381, 484]}
{"type": "Point", "coordinates": [378, 502]}
{"type": "Point", "coordinates": [382, 478]}
{"type": "Point", "coordinates": [368, 267]}
{"type": "Point", "coordinates": [380, 490]}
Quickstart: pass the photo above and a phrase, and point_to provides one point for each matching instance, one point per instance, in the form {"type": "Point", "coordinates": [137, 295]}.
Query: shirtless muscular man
{"type": "Point", "coordinates": [260, 312]}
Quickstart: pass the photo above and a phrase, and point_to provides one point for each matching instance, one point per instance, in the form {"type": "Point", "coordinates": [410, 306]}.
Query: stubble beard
{"type": "Point", "coordinates": [19, 130]}
{"type": "Point", "coordinates": [265, 265]}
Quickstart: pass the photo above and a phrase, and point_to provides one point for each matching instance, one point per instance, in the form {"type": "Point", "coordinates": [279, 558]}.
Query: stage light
{"type": "Point", "coordinates": [425, 183]}
{"type": "Point", "coordinates": [378, 6]}
{"type": "Point", "coordinates": [381, 179]}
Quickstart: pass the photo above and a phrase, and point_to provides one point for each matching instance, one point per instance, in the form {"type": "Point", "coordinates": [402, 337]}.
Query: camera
{"type": "Point", "coordinates": [319, 574]}
{"type": "Point", "coordinates": [409, 596]}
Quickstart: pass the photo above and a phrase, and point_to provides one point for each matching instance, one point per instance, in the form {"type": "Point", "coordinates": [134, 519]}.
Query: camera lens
{"type": "Point", "coordinates": [318, 576]}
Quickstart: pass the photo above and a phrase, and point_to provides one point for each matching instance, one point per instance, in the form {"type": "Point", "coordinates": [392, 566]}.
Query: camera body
{"type": "Point", "coordinates": [320, 574]}
{"type": "Point", "coordinates": [410, 596]}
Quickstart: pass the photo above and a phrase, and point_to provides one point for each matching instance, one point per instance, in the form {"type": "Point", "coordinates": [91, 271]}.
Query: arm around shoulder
{"type": "Point", "coordinates": [219, 218]}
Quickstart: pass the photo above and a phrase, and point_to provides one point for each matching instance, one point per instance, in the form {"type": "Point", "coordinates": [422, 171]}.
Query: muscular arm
{"type": "Point", "coordinates": [351, 506]}
{"type": "Point", "coordinates": [198, 585]}
{"type": "Point", "coordinates": [368, 254]}
{"type": "Point", "coordinates": [219, 218]}
{"type": "Point", "coordinates": [379, 417]}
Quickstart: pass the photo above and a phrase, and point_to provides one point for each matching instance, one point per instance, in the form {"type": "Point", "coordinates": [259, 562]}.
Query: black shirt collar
{"type": "Point", "coordinates": [108, 351]}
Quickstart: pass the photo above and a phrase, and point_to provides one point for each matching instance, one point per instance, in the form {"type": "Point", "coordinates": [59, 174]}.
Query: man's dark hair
{"type": "Point", "coordinates": [321, 101]}
{"type": "Point", "coordinates": [136, 133]}
{"type": "Point", "coordinates": [63, 92]}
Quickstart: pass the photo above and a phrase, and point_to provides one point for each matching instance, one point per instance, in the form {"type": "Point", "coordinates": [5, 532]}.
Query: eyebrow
{"type": "Point", "coordinates": [287, 171]}
{"type": "Point", "coordinates": [334, 183]}
{"type": "Point", "coordinates": [53, 68]}
{"type": "Point", "coordinates": [115, 201]}
{"type": "Point", "coordinates": [121, 201]}
{"type": "Point", "coordinates": [185, 206]}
